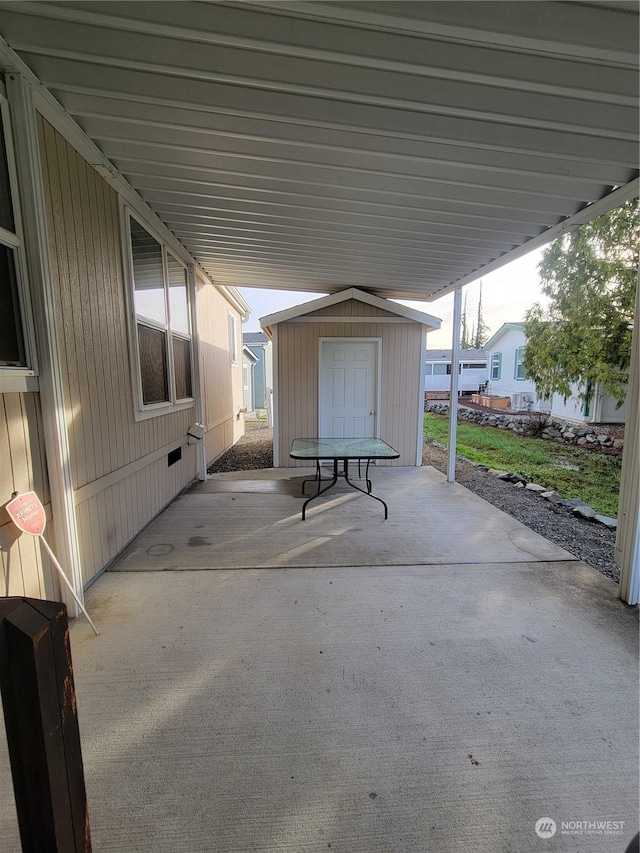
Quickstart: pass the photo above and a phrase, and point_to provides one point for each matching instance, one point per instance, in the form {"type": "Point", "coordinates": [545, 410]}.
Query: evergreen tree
{"type": "Point", "coordinates": [481, 332]}
{"type": "Point", "coordinates": [465, 342]}
{"type": "Point", "coordinates": [584, 335]}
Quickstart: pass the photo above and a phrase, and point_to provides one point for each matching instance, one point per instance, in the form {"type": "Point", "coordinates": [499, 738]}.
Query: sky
{"type": "Point", "coordinates": [506, 294]}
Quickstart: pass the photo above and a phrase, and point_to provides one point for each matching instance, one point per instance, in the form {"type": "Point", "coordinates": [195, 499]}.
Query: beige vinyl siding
{"type": "Point", "coordinates": [24, 570]}
{"type": "Point", "coordinates": [351, 308]}
{"type": "Point", "coordinates": [297, 366]}
{"type": "Point", "coordinates": [118, 479]}
{"type": "Point", "coordinates": [222, 391]}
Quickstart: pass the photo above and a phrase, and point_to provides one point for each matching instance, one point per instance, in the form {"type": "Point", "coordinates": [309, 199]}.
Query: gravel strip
{"type": "Point", "coordinates": [254, 450]}
{"type": "Point", "coordinates": [591, 543]}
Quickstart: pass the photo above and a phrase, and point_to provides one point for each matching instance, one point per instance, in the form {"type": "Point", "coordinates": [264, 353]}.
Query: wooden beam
{"type": "Point", "coordinates": [41, 718]}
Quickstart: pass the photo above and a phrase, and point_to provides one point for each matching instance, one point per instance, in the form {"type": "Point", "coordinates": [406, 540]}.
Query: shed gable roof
{"type": "Point", "coordinates": [343, 296]}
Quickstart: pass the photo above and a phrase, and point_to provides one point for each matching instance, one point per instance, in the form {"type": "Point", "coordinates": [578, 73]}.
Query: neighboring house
{"type": "Point", "coordinates": [473, 370]}
{"type": "Point", "coordinates": [261, 347]}
{"type": "Point", "coordinates": [601, 409]}
{"type": "Point", "coordinates": [349, 365]}
{"type": "Point", "coordinates": [505, 354]}
{"type": "Point", "coordinates": [114, 345]}
{"type": "Point", "coordinates": [249, 361]}
{"type": "Point", "coordinates": [505, 366]}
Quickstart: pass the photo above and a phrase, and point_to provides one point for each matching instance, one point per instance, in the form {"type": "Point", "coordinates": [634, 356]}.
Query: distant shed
{"type": "Point", "coordinates": [349, 365]}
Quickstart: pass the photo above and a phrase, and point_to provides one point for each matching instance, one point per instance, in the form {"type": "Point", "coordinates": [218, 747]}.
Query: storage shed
{"type": "Point", "coordinates": [349, 365]}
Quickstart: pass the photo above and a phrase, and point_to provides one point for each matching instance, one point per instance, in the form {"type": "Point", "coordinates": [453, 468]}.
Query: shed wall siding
{"type": "Point", "coordinates": [298, 348]}
{"type": "Point", "coordinates": [351, 308]}
{"type": "Point", "coordinates": [222, 387]}
{"type": "Point", "coordinates": [119, 481]}
{"type": "Point", "coordinates": [24, 570]}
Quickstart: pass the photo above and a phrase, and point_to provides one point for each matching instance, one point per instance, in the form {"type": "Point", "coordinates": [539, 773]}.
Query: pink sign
{"type": "Point", "coordinates": [27, 513]}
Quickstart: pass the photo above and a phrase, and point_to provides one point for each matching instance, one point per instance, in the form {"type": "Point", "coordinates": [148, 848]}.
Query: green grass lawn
{"type": "Point", "coordinates": [597, 482]}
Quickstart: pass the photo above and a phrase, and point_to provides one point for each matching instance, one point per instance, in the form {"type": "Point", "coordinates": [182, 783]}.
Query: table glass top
{"type": "Point", "coordinates": [342, 448]}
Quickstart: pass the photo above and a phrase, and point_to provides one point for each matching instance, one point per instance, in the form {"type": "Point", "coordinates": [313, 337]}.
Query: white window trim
{"type": "Point", "coordinates": [517, 362]}
{"type": "Point", "coordinates": [22, 379]}
{"type": "Point", "coordinates": [142, 411]}
{"type": "Point", "coordinates": [498, 363]}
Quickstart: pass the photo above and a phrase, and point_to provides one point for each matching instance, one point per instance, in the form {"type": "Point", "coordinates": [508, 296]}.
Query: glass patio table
{"type": "Point", "coordinates": [343, 450]}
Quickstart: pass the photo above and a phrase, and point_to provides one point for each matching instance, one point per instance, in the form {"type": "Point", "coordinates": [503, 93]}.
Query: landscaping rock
{"type": "Point", "coordinates": [585, 512]}
{"type": "Point", "coordinates": [534, 487]}
{"type": "Point", "coordinates": [611, 523]}
{"type": "Point", "coordinates": [602, 438]}
{"type": "Point", "coordinates": [520, 485]}
{"type": "Point", "coordinates": [551, 432]}
{"type": "Point", "coordinates": [552, 497]}
{"type": "Point", "coordinates": [618, 443]}
{"type": "Point", "coordinates": [572, 503]}
{"type": "Point", "coordinates": [504, 475]}
{"type": "Point", "coordinates": [581, 440]}
{"type": "Point", "coordinates": [517, 479]}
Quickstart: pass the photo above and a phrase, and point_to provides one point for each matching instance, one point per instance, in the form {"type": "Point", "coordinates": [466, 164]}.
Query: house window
{"type": "Point", "coordinates": [519, 368]}
{"type": "Point", "coordinates": [441, 369]}
{"type": "Point", "coordinates": [233, 339]}
{"type": "Point", "coordinates": [428, 370]}
{"type": "Point", "coordinates": [13, 299]}
{"type": "Point", "coordinates": [162, 326]}
{"type": "Point", "coordinates": [496, 365]}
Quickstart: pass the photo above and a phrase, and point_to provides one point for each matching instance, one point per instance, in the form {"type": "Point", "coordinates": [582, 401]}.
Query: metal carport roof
{"type": "Point", "coordinates": [400, 147]}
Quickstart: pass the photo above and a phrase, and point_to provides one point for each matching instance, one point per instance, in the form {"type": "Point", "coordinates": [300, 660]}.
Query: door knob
{"type": "Point", "coordinates": [372, 413]}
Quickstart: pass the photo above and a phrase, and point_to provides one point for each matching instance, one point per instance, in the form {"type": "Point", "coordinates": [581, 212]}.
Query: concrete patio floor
{"type": "Point", "coordinates": [440, 704]}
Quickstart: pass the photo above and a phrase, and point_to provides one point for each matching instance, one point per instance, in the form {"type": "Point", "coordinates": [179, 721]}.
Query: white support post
{"type": "Point", "coordinates": [23, 120]}
{"type": "Point", "coordinates": [627, 550]}
{"type": "Point", "coordinates": [275, 396]}
{"type": "Point", "coordinates": [453, 388]}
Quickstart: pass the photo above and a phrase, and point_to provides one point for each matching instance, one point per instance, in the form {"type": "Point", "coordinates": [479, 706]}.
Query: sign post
{"type": "Point", "coordinates": [28, 515]}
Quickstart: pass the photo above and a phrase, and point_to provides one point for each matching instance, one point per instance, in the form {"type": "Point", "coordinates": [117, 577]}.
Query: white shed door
{"type": "Point", "coordinates": [348, 389]}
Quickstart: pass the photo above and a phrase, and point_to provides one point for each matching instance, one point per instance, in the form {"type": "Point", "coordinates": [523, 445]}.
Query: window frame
{"type": "Point", "coordinates": [141, 410]}
{"type": "Point", "coordinates": [519, 362]}
{"type": "Point", "coordinates": [21, 378]}
{"type": "Point", "coordinates": [496, 364]}
{"type": "Point", "coordinates": [233, 338]}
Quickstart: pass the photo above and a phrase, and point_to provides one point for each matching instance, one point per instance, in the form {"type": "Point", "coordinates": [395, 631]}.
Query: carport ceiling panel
{"type": "Point", "coordinates": [397, 146]}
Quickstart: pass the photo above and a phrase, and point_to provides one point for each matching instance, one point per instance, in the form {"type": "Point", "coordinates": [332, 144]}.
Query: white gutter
{"type": "Point", "coordinates": [56, 439]}
{"type": "Point", "coordinates": [233, 296]}
{"type": "Point", "coordinates": [591, 211]}
{"type": "Point", "coordinates": [453, 389]}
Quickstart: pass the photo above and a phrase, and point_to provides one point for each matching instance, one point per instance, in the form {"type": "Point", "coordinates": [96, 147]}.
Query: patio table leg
{"type": "Point", "coordinates": [320, 491]}
{"type": "Point", "coordinates": [368, 491]}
